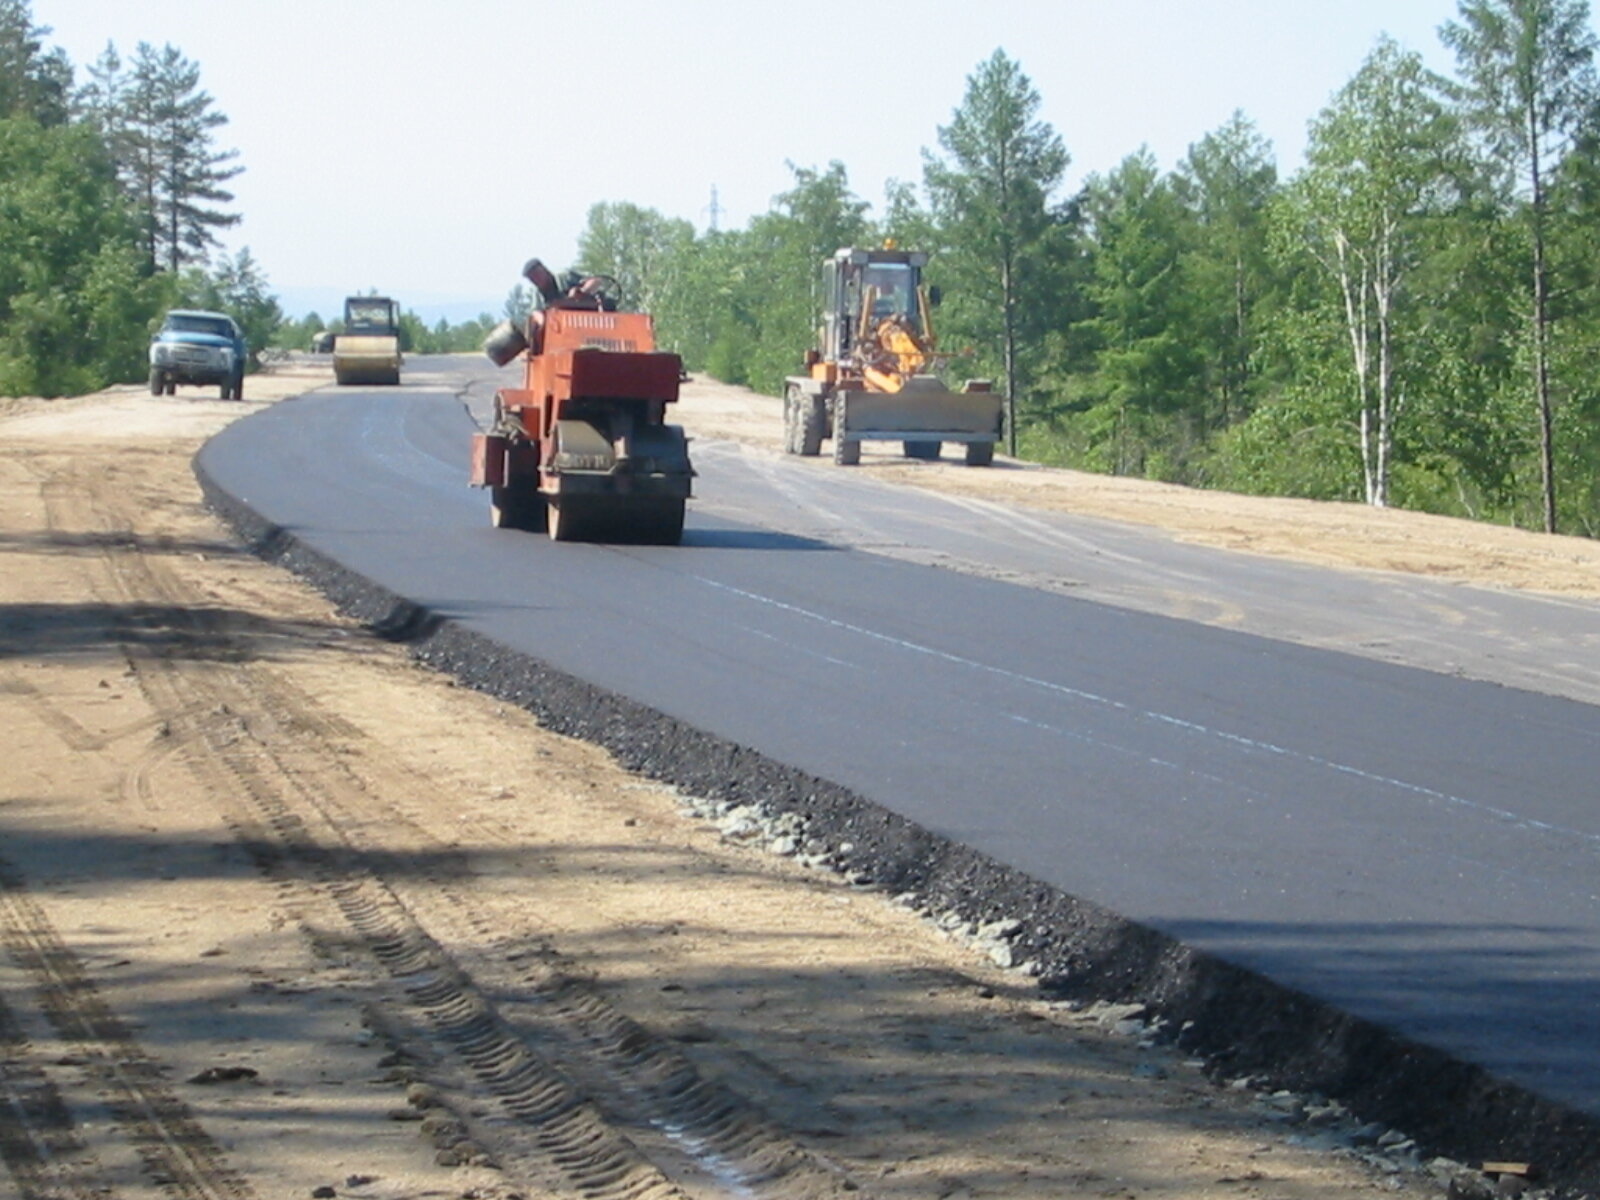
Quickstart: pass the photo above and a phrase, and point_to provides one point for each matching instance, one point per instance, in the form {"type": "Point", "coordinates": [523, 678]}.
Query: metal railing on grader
{"type": "Point", "coordinates": [582, 449]}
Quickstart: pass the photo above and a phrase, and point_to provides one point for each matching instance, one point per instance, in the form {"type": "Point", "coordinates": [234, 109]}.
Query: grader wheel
{"type": "Point", "coordinates": [791, 420]}
{"type": "Point", "coordinates": [813, 424]}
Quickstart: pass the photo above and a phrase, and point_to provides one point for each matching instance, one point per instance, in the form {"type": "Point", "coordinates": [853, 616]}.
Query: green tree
{"type": "Point", "coordinates": [164, 135]}
{"type": "Point", "coordinates": [1378, 176]}
{"type": "Point", "coordinates": [242, 291]}
{"type": "Point", "coordinates": [34, 82]}
{"type": "Point", "coordinates": [990, 192]}
{"type": "Point", "coordinates": [1144, 389]}
{"type": "Point", "coordinates": [786, 246]}
{"type": "Point", "coordinates": [638, 247]}
{"type": "Point", "coordinates": [701, 305]}
{"type": "Point", "coordinates": [74, 307]}
{"type": "Point", "coordinates": [1228, 181]}
{"type": "Point", "coordinates": [1528, 90]}
{"type": "Point", "coordinates": [740, 304]}
{"type": "Point", "coordinates": [519, 302]}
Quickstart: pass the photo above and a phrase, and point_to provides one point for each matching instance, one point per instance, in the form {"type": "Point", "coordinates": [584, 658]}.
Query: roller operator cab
{"type": "Point", "coordinates": [582, 449]}
{"type": "Point", "coordinates": [873, 375]}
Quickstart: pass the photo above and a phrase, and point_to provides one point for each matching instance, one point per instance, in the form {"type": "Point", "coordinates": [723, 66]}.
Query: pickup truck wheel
{"type": "Point", "coordinates": [157, 385]}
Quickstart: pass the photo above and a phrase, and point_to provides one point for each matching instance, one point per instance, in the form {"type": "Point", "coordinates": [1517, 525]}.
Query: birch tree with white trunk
{"type": "Point", "coordinates": [1378, 171]}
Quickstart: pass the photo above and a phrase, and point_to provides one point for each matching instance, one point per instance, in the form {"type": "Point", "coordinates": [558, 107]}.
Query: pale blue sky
{"type": "Point", "coordinates": [427, 148]}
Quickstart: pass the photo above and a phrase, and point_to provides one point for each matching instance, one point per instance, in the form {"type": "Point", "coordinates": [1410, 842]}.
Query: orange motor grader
{"type": "Point", "coordinates": [582, 449]}
{"type": "Point", "coordinates": [873, 375]}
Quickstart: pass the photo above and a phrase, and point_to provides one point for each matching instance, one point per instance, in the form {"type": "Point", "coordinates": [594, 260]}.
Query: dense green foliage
{"type": "Point", "coordinates": [107, 214]}
{"type": "Point", "coordinates": [74, 302]}
{"type": "Point", "coordinates": [159, 124]}
{"type": "Point", "coordinates": [1409, 319]}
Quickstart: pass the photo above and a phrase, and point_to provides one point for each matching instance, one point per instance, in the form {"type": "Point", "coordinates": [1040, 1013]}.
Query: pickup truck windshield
{"type": "Point", "coordinates": [212, 325]}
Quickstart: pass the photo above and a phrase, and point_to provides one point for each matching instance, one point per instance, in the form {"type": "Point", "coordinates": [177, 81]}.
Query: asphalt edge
{"type": "Point", "coordinates": [1242, 1024]}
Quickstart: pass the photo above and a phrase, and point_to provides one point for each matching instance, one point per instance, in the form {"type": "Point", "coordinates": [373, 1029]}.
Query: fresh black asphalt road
{"type": "Point", "coordinates": [1419, 848]}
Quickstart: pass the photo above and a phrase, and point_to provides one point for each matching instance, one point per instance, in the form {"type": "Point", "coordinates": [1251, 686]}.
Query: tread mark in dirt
{"type": "Point", "coordinates": [175, 1150]}
{"type": "Point", "coordinates": [226, 720]}
{"type": "Point", "coordinates": [38, 1143]}
{"type": "Point", "coordinates": [63, 725]}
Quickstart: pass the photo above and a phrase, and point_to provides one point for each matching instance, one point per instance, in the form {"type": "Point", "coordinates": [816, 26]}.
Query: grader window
{"type": "Point", "coordinates": [894, 288]}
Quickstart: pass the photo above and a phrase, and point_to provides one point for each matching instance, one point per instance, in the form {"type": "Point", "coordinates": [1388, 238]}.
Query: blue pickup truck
{"type": "Point", "coordinates": [194, 347]}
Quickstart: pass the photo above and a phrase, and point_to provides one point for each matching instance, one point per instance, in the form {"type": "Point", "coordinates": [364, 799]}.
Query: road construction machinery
{"type": "Point", "coordinates": [582, 449]}
{"type": "Point", "coordinates": [367, 350]}
{"type": "Point", "coordinates": [874, 374]}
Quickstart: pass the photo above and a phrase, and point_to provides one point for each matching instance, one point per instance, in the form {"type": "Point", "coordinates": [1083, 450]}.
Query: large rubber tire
{"type": "Point", "coordinates": [172, 388]}
{"type": "Point", "coordinates": [980, 454]}
{"type": "Point", "coordinates": [813, 425]}
{"type": "Point", "coordinates": [846, 452]}
{"type": "Point", "coordinates": [567, 521]}
{"type": "Point", "coordinates": [663, 525]}
{"type": "Point", "coordinates": [238, 387]}
{"type": "Point", "coordinates": [157, 384]}
{"type": "Point", "coordinates": [926, 451]}
{"type": "Point", "coordinates": [792, 400]}
{"type": "Point", "coordinates": [518, 506]}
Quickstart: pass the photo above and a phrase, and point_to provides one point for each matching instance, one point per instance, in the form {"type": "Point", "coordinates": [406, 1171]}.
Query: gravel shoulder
{"type": "Point", "coordinates": [237, 828]}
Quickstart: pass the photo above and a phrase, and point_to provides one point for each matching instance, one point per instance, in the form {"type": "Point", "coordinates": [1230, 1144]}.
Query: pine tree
{"type": "Point", "coordinates": [33, 82]}
{"type": "Point", "coordinates": [1530, 87]}
{"type": "Point", "coordinates": [1229, 180]}
{"type": "Point", "coordinates": [176, 177]}
{"type": "Point", "coordinates": [990, 193]}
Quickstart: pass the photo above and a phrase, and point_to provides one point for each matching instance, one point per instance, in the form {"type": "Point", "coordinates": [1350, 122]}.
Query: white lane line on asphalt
{"type": "Point", "coordinates": [1251, 744]}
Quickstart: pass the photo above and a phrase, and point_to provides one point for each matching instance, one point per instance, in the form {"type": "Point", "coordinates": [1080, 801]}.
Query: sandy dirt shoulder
{"type": "Point", "coordinates": [1337, 535]}
{"type": "Point", "coordinates": [223, 801]}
